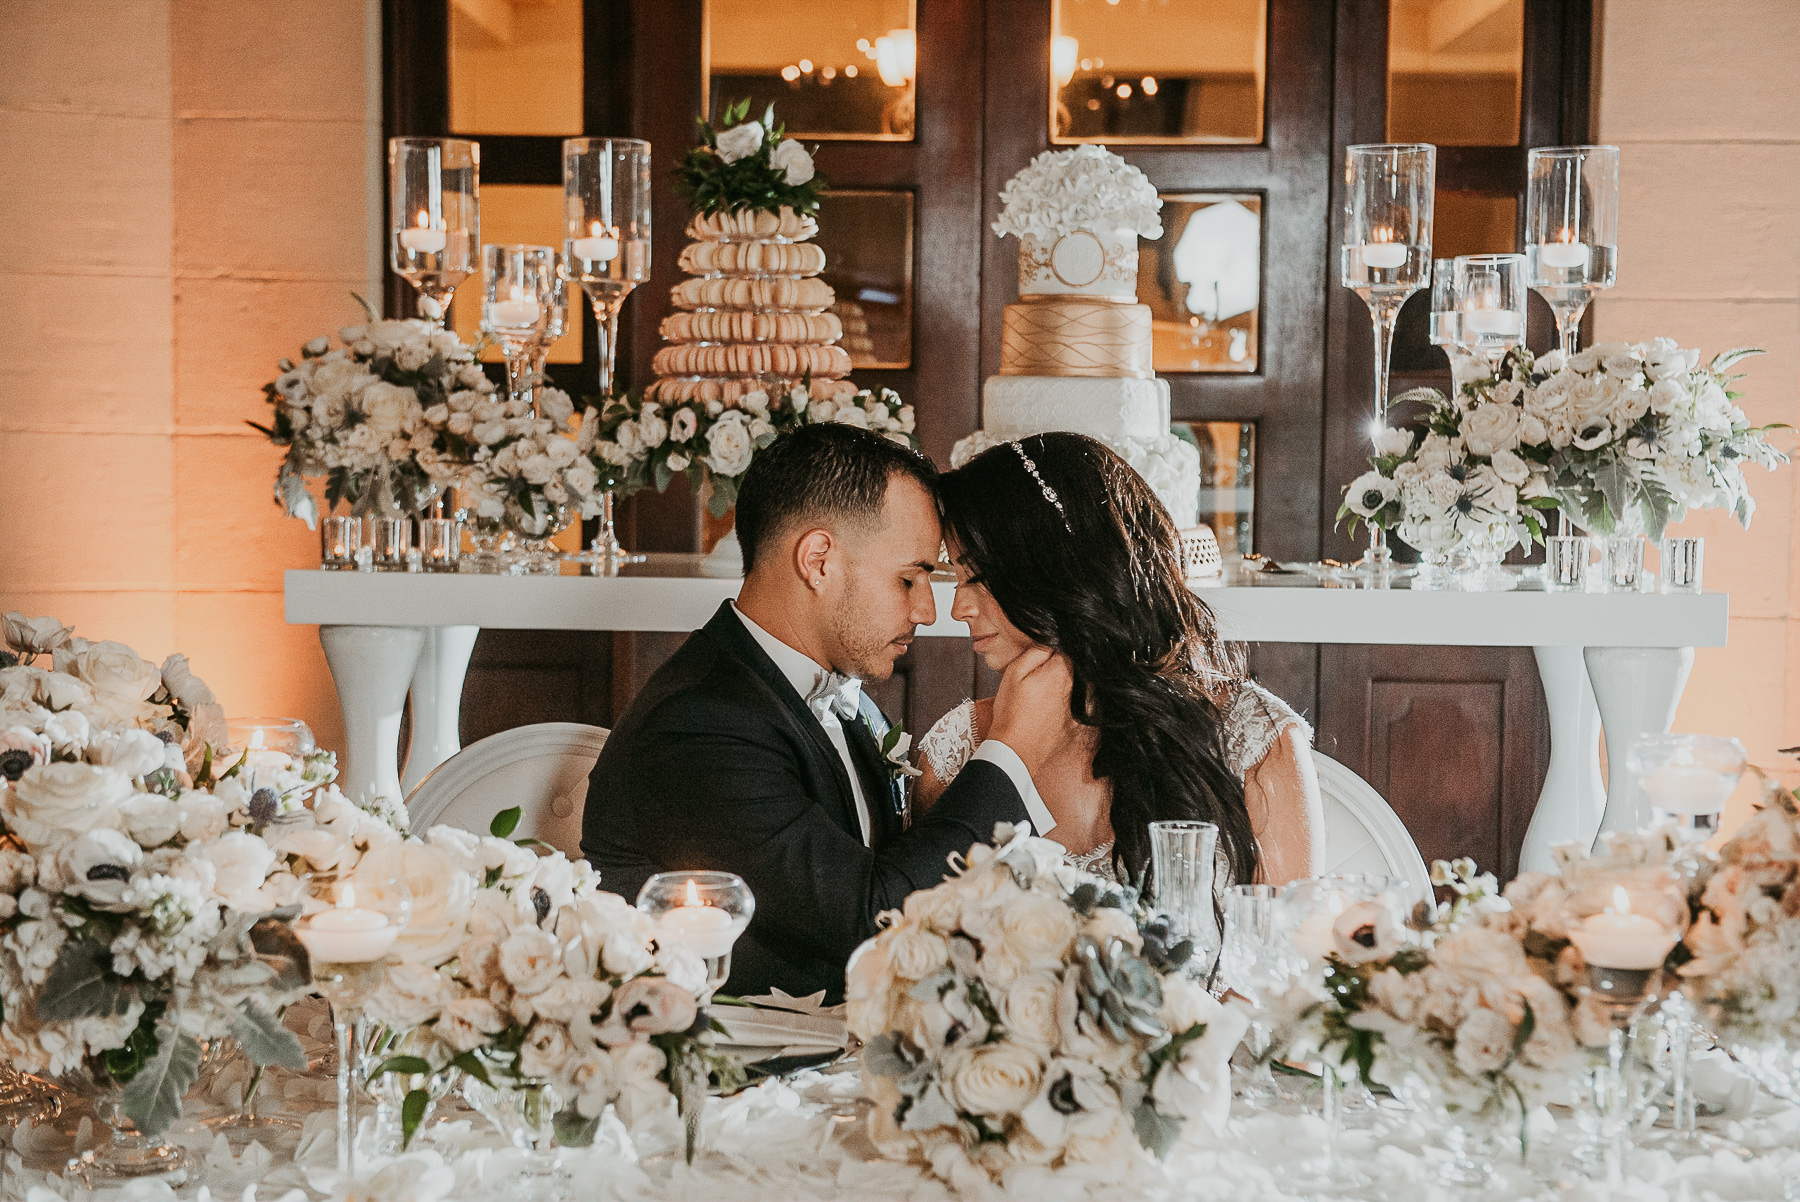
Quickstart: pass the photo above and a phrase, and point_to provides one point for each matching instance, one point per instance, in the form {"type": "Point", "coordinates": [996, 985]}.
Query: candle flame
{"type": "Point", "coordinates": [693, 895]}
{"type": "Point", "coordinates": [518, 293]}
{"type": "Point", "coordinates": [1384, 233]}
{"type": "Point", "coordinates": [1621, 900]}
{"type": "Point", "coordinates": [256, 740]}
{"type": "Point", "coordinates": [597, 229]}
{"type": "Point", "coordinates": [424, 220]}
{"type": "Point", "coordinates": [1568, 235]}
{"type": "Point", "coordinates": [346, 898]}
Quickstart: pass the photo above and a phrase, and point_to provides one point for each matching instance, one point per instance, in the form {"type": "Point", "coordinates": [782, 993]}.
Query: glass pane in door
{"type": "Point", "coordinates": [867, 237]}
{"type": "Point", "coordinates": [515, 67]}
{"type": "Point", "coordinates": [1150, 71]}
{"type": "Point", "coordinates": [832, 68]}
{"type": "Point", "coordinates": [1453, 71]}
{"type": "Point", "coordinates": [1227, 481]}
{"type": "Point", "coordinates": [1203, 282]}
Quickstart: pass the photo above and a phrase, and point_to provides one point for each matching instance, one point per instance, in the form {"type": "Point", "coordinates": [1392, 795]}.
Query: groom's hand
{"type": "Point", "coordinates": [1031, 710]}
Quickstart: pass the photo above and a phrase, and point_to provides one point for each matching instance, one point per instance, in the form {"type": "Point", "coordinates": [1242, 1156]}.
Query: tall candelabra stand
{"type": "Point", "coordinates": [1385, 258]}
{"type": "Point", "coordinates": [606, 249]}
{"type": "Point", "coordinates": [434, 216]}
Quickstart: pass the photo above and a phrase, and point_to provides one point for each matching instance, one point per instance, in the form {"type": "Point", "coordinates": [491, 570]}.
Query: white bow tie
{"type": "Point", "coordinates": [833, 692]}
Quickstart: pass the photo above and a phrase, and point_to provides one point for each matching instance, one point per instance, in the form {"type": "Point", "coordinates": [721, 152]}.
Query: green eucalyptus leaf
{"type": "Point", "coordinates": [505, 822]}
{"type": "Point", "coordinates": [410, 1065]}
{"type": "Point", "coordinates": [412, 1113]}
{"type": "Point", "coordinates": [152, 1099]}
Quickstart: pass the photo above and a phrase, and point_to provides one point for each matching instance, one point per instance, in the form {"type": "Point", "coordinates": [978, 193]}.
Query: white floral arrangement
{"type": "Point", "coordinates": [639, 443]}
{"type": "Point", "coordinates": [1084, 188]}
{"type": "Point", "coordinates": [512, 462]}
{"type": "Point", "coordinates": [1620, 437]}
{"type": "Point", "coordinates": [1024, 1016]}
{"type": "Point", "coordinates": [141, 908]}
{"type": "Point", "coordinates": [355, 415]}
{"type": "Point", "coordinates": [519, 972]}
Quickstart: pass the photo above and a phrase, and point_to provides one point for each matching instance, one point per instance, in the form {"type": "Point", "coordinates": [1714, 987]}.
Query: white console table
{"type": "Point", "coordinates": [1611, 661]}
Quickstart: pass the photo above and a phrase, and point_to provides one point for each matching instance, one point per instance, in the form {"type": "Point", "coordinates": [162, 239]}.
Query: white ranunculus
{"type": "Point", "coordinates": [1490, 427]}
{"type": "Point", "coordinates": [729, 444]}
{"type": "Point", "coordinates": [546, 1051]}
{"type": "Point", "coordinates": [790, 158]}
{"type": "Point", "coordinates": [151, 819]}
{"type": "Point", "coordinates": [468, 1023]}
{"type": "Point", "coordinates": [997, 1079]}
{"type": "Point", "coordinates": [1369, 492]}
{"type": "Point", "coordinates": [530, 959]}
{"type": "Point", "coordinates": [1393, 440]}
{"type": "Point", "coordinates": [441, 897]}
{"type": "Point", "coordinates": [131, 751]}
{"type": "Point", "coordinates": [121, 679]}
{"type": "Point", "coordinates": [240, 863]}
{"type": "Point", "coordinates": [34, 636]}
{"type": "Point", "coordinates": [53, 803]}
{"type": "Point", "coordinates": [1510, 468]}
{"type": "Point", "coordinates": [202, 816]}
{"type": "Point", "coordinates": [98, 866]}
{"type": "Point", "coordinates": [741, 141]}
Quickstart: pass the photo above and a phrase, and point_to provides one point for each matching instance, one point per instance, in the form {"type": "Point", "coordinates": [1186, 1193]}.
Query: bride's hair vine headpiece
{"type": "Point", "coordinates": [1049, 493]}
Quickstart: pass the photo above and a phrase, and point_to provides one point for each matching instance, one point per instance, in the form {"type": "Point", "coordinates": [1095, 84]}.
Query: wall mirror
{"type": "Point", "coordinates": [833, 68]}
{"type": "Point", "coordinates": [1203, 282]}
{"type": "Point", "coordinates": [867, 236]}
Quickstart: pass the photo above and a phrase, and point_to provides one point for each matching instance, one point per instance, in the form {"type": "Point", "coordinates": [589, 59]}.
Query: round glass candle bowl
{"type": "Point", "coordinates": [1686, 779]}
{"type": "Point", "coordinates": [700, 912]}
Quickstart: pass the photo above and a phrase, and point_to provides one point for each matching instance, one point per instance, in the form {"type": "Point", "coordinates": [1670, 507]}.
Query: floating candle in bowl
{"type": "Point", "coordinates": [1384, 255]}
{"type": "Point", "coordinates": [424, 239]}
{"type": "Point", "coordinates": [1499, 322]}
{"type": "Point", "coordinates": [518, 312]}
{"type": "Point", "coordinates": [598, 248]}
{"type": "Point", "coordinates": [1618, 938]}
{"type": "Point", "coordinates": [1564, 254]}
{"type": "Point", "coordinates": [346, 933]}
{"type": "Point", "coordinates": [707, 931]}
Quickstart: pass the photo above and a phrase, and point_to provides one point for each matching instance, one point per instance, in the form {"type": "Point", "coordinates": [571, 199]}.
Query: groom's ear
{"type": "Point", "coordinates": [812, 555]}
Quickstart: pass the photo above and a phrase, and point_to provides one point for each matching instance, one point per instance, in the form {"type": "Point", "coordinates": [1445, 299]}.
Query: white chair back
{"type": "Point", "coordinates": [542, 769]}
{"type": "Point", "coordinates": [1362, 832]}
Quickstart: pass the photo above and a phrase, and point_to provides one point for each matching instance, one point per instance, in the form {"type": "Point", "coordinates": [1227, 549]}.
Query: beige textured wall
{"type": "Point", "coordinates": [1703, 99]}
{"type": "Point", "coordinates": [188, 198]}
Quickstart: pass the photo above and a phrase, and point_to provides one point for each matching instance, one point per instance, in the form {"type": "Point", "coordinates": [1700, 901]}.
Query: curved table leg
{"type": "Point", "coordinates": [371, 666]}
{"type": "Point", "coordinates": [1637, 689]}
{"type": "Point", "coordinates": [1574, 796]}
{"type": "Point", "coordinates": [437, 686]}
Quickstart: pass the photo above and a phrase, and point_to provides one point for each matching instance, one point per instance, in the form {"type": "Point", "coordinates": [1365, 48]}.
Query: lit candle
{"type": "Point", "coordinates": [705, 930]}
{"type": "Point", "coordinates": [1620, 939]}
{"type": "Point", "coordinates": [1564, 253]}
{"type": "Point", "coordinates": [346, 934]}
{"type": "Point", "coordinates": [1384, 252]}
{"type": "Point", "coordinates": [517, 313]}
{"type": "Point", "coordinates": [424, 240]}
{"type": "Point", "coordinates": [1688, 789]}
{"type": "Point", "coordinates": [600, 248]}
{"type": "Point", "coordinates": [1502, 322]}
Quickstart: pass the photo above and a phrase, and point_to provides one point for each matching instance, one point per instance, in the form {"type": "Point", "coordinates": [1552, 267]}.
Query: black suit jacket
{"type": "Point", "coordinates": [719, 764]}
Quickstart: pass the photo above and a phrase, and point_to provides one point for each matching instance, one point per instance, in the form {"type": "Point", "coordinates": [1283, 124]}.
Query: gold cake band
{"type": "Point", "coordinates": [738, 227]}
{"type": "Point", "coordinates": [752, 359]}
{"type": "Point", "coordinates": [739, 258]}
{"type": "Point", "coordinates": [721, 292]}
{"type": "Point", "coordinates": [1066, 337]}
{"type": "Point", "coordinates": [748, 325]}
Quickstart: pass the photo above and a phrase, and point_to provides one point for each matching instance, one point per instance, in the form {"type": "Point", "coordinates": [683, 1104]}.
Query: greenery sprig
{"type": "Point", "coordinates": [753, 182]}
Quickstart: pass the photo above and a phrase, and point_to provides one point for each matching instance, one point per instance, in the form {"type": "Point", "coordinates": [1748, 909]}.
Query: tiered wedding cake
{"type": "Point", "coordinates": [752, 316]}
{"type": "Point", "coordinates": [1075, 352]}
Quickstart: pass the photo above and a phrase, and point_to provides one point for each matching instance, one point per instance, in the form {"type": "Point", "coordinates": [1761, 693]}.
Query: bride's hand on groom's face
{"type": "Point", "coordinates": [1031, 710]}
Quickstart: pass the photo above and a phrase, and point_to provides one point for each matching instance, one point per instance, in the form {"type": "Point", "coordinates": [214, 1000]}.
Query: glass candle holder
{"type": "Point", "coordinates": [1571, 229]}
{"type": "Point", "coordinates": [340, 538]}
{"type": "Point", "coordinates": [701, 912]}
{"type": "Point", "coordinates": [1183, 861]}
{"type": "Point", "coordinates": [1686, 779]}
{"type": "Point", "coordinates": [1566, 559]}
{"type": "Point", "coordinates": [520, 287]}
{"type": "Point", "coordinates": [1622, 562]}
{"type": "Point", "coordinates": [1489, 293]}
{"type": "Point", "coordinates": [389, 541]}
{"type": "Point", "coordinates": [440, 544]}
{"type": "Point", "coordinates": [1683, 560]}
{"type": "Point", "coordinates": [434, 216]}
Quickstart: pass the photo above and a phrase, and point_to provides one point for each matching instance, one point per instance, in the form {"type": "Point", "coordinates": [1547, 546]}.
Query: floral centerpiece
{"type": "Point", "coordinates": [355, 415]}
{"type": "Point", "coordinates": [751, 165]}
{"type": "Point", "coordinates": [1026, 1014]}
{"type": "Point", "coordinates": [520, 463]}
{"type": "Point", "coordinates": [639, 443]}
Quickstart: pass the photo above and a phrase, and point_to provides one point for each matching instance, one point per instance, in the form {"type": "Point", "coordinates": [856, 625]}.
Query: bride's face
{"type": "Point", "coordinates": [998, 640]}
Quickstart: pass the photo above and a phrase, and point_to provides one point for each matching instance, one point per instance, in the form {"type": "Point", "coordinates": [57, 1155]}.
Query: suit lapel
{"type": "Point", "coordinates": [728, 629]}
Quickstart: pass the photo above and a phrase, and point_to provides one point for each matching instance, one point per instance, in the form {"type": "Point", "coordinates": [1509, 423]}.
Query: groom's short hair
{"type": "Point", "coordinates": [825, 474]}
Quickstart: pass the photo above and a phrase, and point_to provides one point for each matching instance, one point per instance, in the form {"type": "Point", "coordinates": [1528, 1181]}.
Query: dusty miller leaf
{"type": "Point", "coordinates": [82, 985]}
{"type": "Point", "coordinates": [152, 1099]}
{"type": "Point", "coordinates": [265, 1040]}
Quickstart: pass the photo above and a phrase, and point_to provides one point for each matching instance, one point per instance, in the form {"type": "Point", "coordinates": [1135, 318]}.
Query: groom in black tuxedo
{"type": "Point", "coordinates": [754, 750]}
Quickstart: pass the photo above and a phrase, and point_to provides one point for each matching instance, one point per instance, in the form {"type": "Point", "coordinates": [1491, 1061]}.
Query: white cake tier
{"type": "Point", "coordinates": [1018, 406]}
{"type": "Point", "coordinates": [1092, 263]}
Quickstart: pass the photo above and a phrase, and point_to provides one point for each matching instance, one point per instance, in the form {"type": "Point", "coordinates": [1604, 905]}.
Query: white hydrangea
{"type": "Point", "coordinates": [1086, 187]}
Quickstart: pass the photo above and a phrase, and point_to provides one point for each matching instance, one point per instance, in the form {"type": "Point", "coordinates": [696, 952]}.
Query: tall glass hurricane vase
{"type": "Point", "coordinates": [606, 246]}
{"type": "Point", "coordinates": [519, 293]}
{"type": "Point", "coordinates": [1386, 256]}
{"type": "Point", "coordinates": [1571, 229]}
{"type": "Point", "coordinates": [434, 216]}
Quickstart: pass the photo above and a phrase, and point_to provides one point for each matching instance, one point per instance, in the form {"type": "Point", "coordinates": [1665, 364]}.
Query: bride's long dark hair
{"type": "Point", "coordinates": [1097, 575]}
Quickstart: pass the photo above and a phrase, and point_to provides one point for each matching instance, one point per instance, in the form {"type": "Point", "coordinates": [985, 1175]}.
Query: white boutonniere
{"type": "Point", "coordinates": [894, 748]}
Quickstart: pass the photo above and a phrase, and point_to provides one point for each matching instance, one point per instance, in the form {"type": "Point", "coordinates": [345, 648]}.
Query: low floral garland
{"type": "Point", "coordinates": [641, 443]}
{"type": "Point", "coordinates": [752, 165]}
{"type": "Point", "coordinates": [1024, 1016]}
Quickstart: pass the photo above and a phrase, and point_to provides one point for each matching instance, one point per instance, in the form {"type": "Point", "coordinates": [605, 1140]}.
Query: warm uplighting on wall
{"type": "Point", "coordinates": [1063, 52]}
{"type": "Point", "coordinates": [897, 57]}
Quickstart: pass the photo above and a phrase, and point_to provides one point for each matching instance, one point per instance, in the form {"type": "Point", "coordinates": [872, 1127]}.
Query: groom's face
{"type": "Point", "coordinates": [885, 590]}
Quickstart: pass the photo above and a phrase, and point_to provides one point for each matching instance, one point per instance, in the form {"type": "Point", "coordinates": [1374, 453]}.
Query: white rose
{"type": "Point", "coordinates": [638, 1063]}
{"type": "Point", "coordinates": [151, 819]}
{"type": "Point", "coordinates": [1484, 1042]}
{"type": "Point", "coordinates": [131, 751]}
{"type": "Point", "coordinates": [1369, 493]}
{"type": "Point", "coordinates": [677, 463]}
{"type": "Point", "coordinates": [741, 141]}
{"type": "Point", "coordinates": [53, 802]}
{"type": "Point", "coordinates": [595, 1084]}
{"type": "Point", "coordinates": [530, 959]}
{"type": "Point", "coordinates": [996, 1079]}
{"type": "Point", "coordinates": [183, 685]}
{"type": "Point", "coordinates": [652, 429]}
{"type": "Point", "coordinates": [1028, 1009]}
{"type": "Point", "coordinates": [468, 1023]}
{"type": "Point", "coordinates": [555, 405]}
{"type": "Point", "coordinates": [1036, 928]}
{"type": "Point", "coordinates": [1510, 468]}
{"type": "Point", "coordinates": [568, 999]}
{"type": "Point", "coordinates": [240, 863]}
{"type": "Point", "coordinates": [790, 158]}
{"type": "Point", "coordinates": [729, 445]}
{"type": "Point", "coordinates": [121, 679]}
{"type": "Point", "coordinates": [202, 816]}
{"type": "Point", "coordinates": [441, 897]}
{"type": "Point", "coordinates": [411, 995]}
{"type": "Point", "coordinates": [546, 1051]}
{"type": "Point", "coordinates": [1107, 924]}
{"type": "Point", "coordinates": [915, 953]}
{"type": "Point", "coordinates": [67, 730]}
{"type": "Point", "coordinates": [461, 424]}
{"type": "Point", "coordinates": [1393, 440]}
{"type": "Point", "coordinates": [850, 415]}
{"type": "Point", "coordinates": [98, 867]}
{"type": "Point", "coordinates": [391, 408]}
{"type": "Point", "coordinates": [1490, 427]}
{"type": "Point", "coordinates": [34, 636]}
{"type": "Point", "coordinates": [1186, 1003]}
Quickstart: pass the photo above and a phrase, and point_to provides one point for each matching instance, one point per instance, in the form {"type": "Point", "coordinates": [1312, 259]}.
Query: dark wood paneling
{"type": "Point", "coordinates": [518, 677]}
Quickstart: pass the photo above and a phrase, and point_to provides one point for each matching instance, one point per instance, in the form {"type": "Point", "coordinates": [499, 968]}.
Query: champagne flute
{"type": "Point", "coordinates": [1385, 258]}
{"type": "Point", "coordinates": [1571, 229]}
{"type": "Point", "coordinates": [434, 216]}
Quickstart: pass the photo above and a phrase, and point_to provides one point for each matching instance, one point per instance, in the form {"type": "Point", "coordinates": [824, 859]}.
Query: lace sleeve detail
{"type": "Point", "coordinates": [950, 742]}
{"type": "Point", "coordinates": [1255, 719]}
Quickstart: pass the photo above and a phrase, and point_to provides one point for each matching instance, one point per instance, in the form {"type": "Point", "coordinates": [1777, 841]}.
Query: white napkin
{"type": "Point", "coordinates": [792, 1026]}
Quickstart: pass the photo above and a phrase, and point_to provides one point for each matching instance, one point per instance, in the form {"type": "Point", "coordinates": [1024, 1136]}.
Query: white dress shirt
{"type": "Point", "coordinates": [805, 675]}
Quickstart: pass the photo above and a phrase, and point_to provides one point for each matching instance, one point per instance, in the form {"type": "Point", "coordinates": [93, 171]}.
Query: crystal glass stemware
{"type": "Point", "coordinates": [1183, 862]}
{"type": "Point", "coordinates": [1571, 229]}
{"type": "Point", "coordinates": [519, 286]}
{"type": "Point", "coordinates": [606, 244]}
{"type": "Point", "coordinates": [1686, 779]}
{"type": "Point", "coordinates": [434, 216]}
{"type": "Point", "coordinates": [1445, 330]}
{"type": "Point", "coordinates": [1255, 964]}
{"type": "Point", "coordinates": [1386, 256]}
{"type": "Point", "coordinates": [1489, 292]}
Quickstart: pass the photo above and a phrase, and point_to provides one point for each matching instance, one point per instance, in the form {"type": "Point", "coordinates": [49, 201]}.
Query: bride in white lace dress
{"type": "Point", "coordinates": [1058, 543]}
